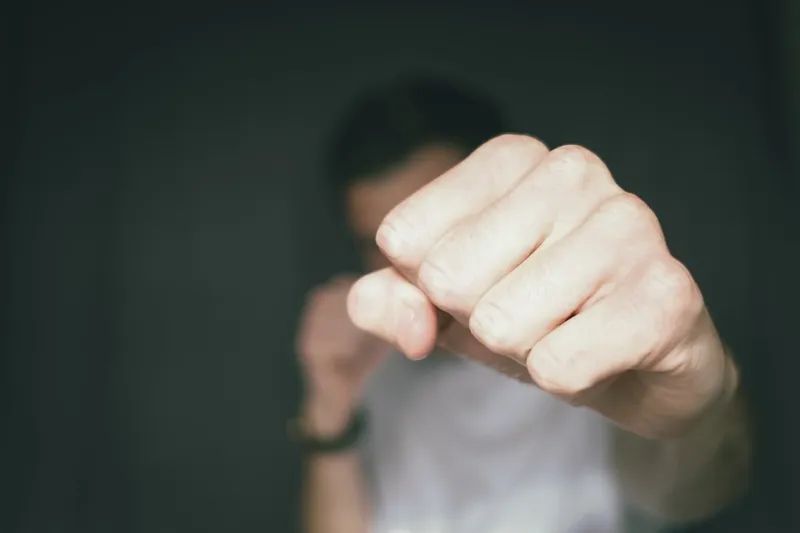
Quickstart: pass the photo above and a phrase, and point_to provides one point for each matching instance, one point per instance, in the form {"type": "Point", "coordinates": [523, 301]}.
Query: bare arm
{"type": "Point", "coordinates": [336, 359]}
{"type": "Point", "coordinates": [692, 476]}
{"type": "Point", "coordinates": [334, 495]}
{"type": "Point", "coordinates": [552, 265]}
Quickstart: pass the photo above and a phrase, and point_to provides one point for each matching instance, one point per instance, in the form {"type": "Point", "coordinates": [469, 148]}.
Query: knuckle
{"type": "Point", "coordinates": [577, 167]}
{"type": "Point", "coordinates": [555, 376]}
{"type": "Point", "coordinates": [574, 151]}
{"type": "Point", "coordinates": [396, 235]}
{"type": "Point", "coordinates": [626, 211]}
{"type": "Point", "coordinates": [667, 276]}
{"type": "Point", "coordinates": [447, 275]}
{"type": "Point", "coordinates": [441, 283]}
{"type": "Point", "coordinates": [492, 327]}
{"type": "Point", "coordinates": [514, 145]}
{"type": "Point", "coordinates": [510, 154]}
{"type": "Point", "coordinates": [670, 282]}
{"type": "Point", "coordinates": [567, 167]}
{"type": "Point", "coordinates": [627, 207]}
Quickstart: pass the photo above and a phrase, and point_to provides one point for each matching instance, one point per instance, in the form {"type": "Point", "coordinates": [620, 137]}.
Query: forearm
{"type": "Point", "coordinates": [334, 492]}
{"type": "Point", "coordinates": [334, 499]}
{"type": "Point", "coordinates": [689, 477]}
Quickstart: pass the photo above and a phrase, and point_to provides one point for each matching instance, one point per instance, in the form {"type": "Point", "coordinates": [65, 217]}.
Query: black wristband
{"type": "Point", "coordinates": [338, 443]}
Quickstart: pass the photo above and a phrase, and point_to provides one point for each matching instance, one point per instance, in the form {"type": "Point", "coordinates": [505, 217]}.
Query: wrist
{"type": "Point", "coordinates": [716, 417]}
{"type": "Point", "coordinates": [321, 442]}
{"type": "Point", "coordinates": [325, 418]}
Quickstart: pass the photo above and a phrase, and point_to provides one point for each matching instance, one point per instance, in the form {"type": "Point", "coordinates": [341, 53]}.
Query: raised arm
{"type": "Point", "coordinates": [336, 359]}
{"type": "Point", "coordinates": [538, 263]}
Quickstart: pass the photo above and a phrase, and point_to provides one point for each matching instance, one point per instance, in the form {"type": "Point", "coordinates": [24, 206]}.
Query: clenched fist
{"type": "Point", "coordinates": [336, 357]}
{"type": "Point", "coordinates": [537, 262]}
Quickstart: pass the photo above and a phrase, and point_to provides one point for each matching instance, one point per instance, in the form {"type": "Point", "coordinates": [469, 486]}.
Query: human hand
{"type": "Point", "coordinates": [547, 266]}
{"type": "Point", "coordinates": [335, 355]}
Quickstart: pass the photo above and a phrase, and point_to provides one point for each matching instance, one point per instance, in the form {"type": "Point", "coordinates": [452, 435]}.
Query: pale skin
{"type": "Point", "coordinates": [535, 262]}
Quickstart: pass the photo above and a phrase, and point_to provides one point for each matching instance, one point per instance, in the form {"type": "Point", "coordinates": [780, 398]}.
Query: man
{"type": "Point", "coordinates": [535, 263]}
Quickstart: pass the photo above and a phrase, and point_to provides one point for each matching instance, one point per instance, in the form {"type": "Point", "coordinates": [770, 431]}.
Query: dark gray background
{"type": "Point", "coordinates": [163, 216]}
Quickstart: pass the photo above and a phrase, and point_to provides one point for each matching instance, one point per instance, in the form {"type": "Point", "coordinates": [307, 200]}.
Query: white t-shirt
{"type": "Point", "coordinates": [456, 447]}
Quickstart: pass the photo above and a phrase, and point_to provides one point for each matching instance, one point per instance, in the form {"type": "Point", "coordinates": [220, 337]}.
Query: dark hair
{"type": "Point", "coordinates": [387, 123]}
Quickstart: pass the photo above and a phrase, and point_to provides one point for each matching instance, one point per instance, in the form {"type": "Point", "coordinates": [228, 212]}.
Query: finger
{"type": "Point", "coordinates": [387, 305]}
{"type": "Point", "coordinates": [627, 330]}
{"type": "Point", "coordinates": [553, 283]}
{"type": "Point", "coordinates": [414, 226]}
{"type": "Point", "coordinates": [458, 340]}
{"type": "Point", "coordinates": [477, 253]}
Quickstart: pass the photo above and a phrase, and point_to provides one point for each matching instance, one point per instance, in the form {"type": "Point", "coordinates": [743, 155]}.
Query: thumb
{"type": "Point", "coordinates": [385, 304]}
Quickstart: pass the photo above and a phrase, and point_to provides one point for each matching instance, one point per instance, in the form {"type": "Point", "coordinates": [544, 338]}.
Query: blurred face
{"type": "Point", "coordinates": [370, 199]}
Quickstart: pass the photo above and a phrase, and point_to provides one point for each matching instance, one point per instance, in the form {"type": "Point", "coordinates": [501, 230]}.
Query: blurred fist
{"type": "Point", "coordinates": [336, 356]}
{"type": "Point", "coordinates": [538, 263]}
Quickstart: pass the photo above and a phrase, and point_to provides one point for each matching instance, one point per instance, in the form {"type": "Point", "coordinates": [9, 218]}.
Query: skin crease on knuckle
{"type": "Point", "coordinates": [628, 214]}
{"type": "Point", "coordinates": [449, 287]}
{"type": "Point", "coordinates": [577, 169]}
{"type": "Point", "coordinates": [510, 154]}
{"type": "Point", "coordinates": [395, 238]}
{"type": "Point", "coordinates": [549, 287]}
{"type": "Point", "coordinates": [566, 167]}
{"type": "Point", "coordinates": [678, 295]}
{"type": "Point", "coordinates": [502, 159]}
{"type": "Point", "coordinates": [504, 155]}
{"type": "Point", "coordinates": [666, 305]}
{"type": "Point", "coordinates": [668, 286]}
{"type": "Point", "coordinates": [574, 183]}
{"type": "Point", "coordinates": [439, 284]}
{"type": "Point", "coordinates": [454, 274]}
{"type": "Point", "coordinates": [448, 271]}
{"type": "Point", "coordinates": [552, 375]}
{"type": "Point", "coordinates": [494, 327]}
{"type": "Point", "coordinates": [624, 213]}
